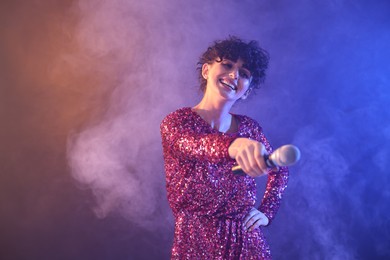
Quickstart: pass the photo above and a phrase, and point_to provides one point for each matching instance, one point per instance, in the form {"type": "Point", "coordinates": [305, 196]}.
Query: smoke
{"type": "Point", "coordinates": [326, 91]}
{"type": "Point", "coordinates": [117, 155]}
{"type": "Point", "coordinates": [144, 60]}
{"type": "Point", "coordinates": [100, 75]}
{"type": "Point", "coordinates": [110, 159]}
{"type": "Point", "coordinates": [321, 176]}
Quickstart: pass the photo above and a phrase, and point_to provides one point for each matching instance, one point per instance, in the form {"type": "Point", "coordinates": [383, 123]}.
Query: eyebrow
{"type": "Point", "coordinates": [246, 68]}
{"type": "Point", "coordinates": [244, 65]}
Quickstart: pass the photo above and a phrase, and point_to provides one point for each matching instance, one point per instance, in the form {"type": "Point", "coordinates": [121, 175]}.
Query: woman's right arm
{"type": "Point", "coordinates": [187, 153]}
{"type": "Point", "coordinates": [249, 154]}
{"type": "Point", "coordinates": [181, 140]}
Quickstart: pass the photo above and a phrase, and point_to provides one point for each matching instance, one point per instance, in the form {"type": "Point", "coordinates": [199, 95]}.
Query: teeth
{"type": "Point", "coordinates": [229, 85]}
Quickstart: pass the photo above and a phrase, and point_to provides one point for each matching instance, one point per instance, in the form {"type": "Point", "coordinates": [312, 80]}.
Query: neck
{"type": "Point", "coordinates": [215, 113]}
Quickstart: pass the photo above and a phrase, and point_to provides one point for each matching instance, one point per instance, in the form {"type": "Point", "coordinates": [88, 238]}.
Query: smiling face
{"type": "Point", "coordinates": [233, 48]}
{"type": "Point", "coordinates": [227, 79]}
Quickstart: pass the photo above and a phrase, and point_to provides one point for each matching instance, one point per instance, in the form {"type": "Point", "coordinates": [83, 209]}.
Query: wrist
{"type": "Point", "coordinates": [233, 148]}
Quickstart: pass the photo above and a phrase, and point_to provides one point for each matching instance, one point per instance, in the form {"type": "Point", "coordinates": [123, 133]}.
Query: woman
{"type": "Point", "coordinates": [213, 207]}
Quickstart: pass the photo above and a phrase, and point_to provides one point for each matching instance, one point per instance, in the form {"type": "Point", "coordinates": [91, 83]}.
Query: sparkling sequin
{"type": "Point", "coordinates": [208, 201]}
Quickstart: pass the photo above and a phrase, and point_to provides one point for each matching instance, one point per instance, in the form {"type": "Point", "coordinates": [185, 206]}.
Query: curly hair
{"type": "Point", "coordinates": [233, 48]}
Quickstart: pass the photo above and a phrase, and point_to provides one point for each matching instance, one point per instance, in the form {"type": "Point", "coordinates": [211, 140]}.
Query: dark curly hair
{"type": "Point", "coordinates": [233, 48]}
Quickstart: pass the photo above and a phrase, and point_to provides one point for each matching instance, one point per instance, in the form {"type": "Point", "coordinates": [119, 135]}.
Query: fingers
{"type": "Point", "coordinates": [259, 157]}
{"type": "Point", "coordinates": [254, 219]}
{"type": "Point", "coordinates": [249, 218]}
{"type": "Point", "coordinates": [251, 159]}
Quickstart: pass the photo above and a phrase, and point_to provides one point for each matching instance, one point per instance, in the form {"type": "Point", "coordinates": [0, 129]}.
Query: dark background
{"type": "Point", "coordinates": [85, 84]}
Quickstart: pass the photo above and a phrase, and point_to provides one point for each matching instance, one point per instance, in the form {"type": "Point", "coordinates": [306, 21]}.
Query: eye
{"type": "Point", "coordinates": [227, 65]}
{"type": "Point", "coordinates": [245, 74]}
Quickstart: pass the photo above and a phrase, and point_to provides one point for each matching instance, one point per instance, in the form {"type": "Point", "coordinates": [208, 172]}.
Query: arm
{"type": "Point", "coordinates": [181, 141]}
{"type": "Point", "coordinates": [249, 154]}
{"type": "Point", "coordinates": [276, 184]}
{"type": "Point", "coordinates": [277, 177]}
{"type": "Point", "coordinates": [188, 155]}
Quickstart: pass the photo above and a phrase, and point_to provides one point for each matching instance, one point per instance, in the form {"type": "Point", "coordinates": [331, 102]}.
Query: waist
{"type": "Point", "coordinates": [213, 216]}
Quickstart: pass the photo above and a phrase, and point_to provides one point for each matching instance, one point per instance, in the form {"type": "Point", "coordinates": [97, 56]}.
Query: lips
{"type": "Point", "coordinates": [229, 85]}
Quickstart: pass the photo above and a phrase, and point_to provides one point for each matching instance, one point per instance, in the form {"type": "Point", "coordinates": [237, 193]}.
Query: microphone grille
{"type": "Point", "coordinates": [286, 155]}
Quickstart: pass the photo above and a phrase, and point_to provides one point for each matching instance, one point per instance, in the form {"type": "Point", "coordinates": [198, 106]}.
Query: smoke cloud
{"type": "Point", "coordinates": [85, 85]}
{"type": "Point", "coordinates": [119, 157]}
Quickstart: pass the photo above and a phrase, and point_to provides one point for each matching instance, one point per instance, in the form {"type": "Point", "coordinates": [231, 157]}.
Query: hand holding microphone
{"type": "Point", "coordinates": [253, 159]}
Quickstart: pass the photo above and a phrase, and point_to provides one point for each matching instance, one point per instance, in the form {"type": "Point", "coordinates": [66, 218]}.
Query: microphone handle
{"type": "Point", "coordinates": [270, 164]}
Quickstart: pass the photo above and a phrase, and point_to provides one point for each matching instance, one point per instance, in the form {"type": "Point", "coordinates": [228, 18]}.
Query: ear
{"type": "Point", "coordinates": [205, 70]}
{"type": "Point", "coordinates": [246, 94]}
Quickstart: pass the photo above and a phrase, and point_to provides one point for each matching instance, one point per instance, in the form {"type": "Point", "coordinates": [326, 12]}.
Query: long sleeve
{"type": "Point", "coordinates": [276, 184]}
{"type": "Point", "coordinates": [208, 200]}
{"type": "Point", "coordinates": [198, 167]}
{"type": "Point", "coordinates": [182, 140]}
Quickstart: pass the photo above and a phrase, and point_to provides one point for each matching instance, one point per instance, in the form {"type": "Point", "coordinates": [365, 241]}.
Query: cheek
{"type": "Point", "coordinates": [245, 85]}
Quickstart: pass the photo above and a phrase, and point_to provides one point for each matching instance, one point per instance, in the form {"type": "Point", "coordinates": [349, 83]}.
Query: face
{"type": "Point", "coordinates": [227, 79]}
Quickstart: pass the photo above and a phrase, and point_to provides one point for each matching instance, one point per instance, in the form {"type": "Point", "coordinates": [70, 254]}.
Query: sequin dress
{"type": "Point", "coordinates": [208, 201]}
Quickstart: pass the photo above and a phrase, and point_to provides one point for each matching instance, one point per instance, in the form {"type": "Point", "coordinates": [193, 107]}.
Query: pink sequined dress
{"type": "Point", "coordinates": [208, 201]}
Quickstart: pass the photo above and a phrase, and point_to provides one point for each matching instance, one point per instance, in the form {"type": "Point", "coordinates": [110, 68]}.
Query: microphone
{"type": "Point", "coordinates": [283, 156]}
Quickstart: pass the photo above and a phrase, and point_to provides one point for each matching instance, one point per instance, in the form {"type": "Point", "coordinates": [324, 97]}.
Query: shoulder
{"type": "Point", "coordinates": [252, 129]}
{"type": "Point", "coordinates": [178, 116]}
{"type": "Point", "coordinates": [249, 127]}
{"type": "Point", "coordinates": [248, 123]}
{"type": "Point", "coordinates": [184, 111]}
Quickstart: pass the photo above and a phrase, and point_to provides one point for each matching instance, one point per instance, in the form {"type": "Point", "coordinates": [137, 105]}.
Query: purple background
{"type": "Point", "coordinates": [85, 85]}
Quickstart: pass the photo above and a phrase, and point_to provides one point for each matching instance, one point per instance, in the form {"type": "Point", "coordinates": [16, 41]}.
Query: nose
{"type": "Point", "coordinates": [234, 73]}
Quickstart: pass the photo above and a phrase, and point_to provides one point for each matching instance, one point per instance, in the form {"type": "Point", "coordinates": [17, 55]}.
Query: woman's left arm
{"type": "Point", "coordinates": [276, 185]}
